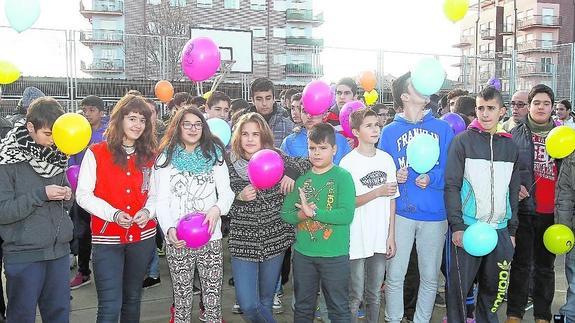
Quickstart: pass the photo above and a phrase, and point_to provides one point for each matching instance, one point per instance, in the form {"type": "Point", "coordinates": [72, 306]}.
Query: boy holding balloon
{"type": "Point", "coordinates": [481, 193]}
{"type": "Point", "coordinates": [321, 206]}
{"type": "Point", "coordinates": [34, 223]}
{"type": "Point", "coordinates": [418, 140]}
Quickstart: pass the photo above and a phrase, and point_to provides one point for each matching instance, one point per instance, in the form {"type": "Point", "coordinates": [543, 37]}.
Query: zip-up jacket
{"type": "Point", "coordinates": [523, 138]}
{"type": "Point", "coordinates": [565, 193]}
{"type": "Point", "coordinates": [482, 181]}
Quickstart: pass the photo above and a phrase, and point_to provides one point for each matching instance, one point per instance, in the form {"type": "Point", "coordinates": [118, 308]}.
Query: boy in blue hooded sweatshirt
{"type": "Point", "coordinates": [420, 208]}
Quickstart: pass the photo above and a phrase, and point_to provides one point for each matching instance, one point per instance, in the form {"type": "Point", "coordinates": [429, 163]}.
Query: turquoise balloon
{"type": "Point", "coordinates": [220, 129]}
{"type": "Point", "coordinates": [428, 76]}
{"type": "Point", "coordinates": [422, 153]}
{"type": "Point", "coordinates": [479, 239]}
{"type": "Point", "coordinates": [22, 14]}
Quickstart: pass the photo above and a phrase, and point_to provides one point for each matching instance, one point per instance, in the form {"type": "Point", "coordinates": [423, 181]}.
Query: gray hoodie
{"type": "Point", "coordinates": [32, 227]}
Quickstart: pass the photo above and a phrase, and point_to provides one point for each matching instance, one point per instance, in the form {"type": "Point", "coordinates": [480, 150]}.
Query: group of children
{"type": "Point", "coordinates": [351, 208]}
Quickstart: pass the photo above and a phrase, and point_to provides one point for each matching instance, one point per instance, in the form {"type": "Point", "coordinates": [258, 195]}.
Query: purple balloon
{"type": "Point", "coordinates": [192, 231]}
{"type": "Point", "coordinates": [455, 121]}
{"type": "Point", "coordinates": [495, 82]}
{"type": "Point", "coordinates": [265, 169]}
{"type": "Point", "coordinates": [344, 114]}
{"type": "Point", "coordinates": [316, 97]}
{"type": "Point", "coordinates": [200, 59]}
{"type": "Point", "coordinates": [72, 174]}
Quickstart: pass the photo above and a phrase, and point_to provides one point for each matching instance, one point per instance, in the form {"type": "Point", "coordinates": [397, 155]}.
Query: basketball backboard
{"type": "Point", "coordinates": [235, 45]}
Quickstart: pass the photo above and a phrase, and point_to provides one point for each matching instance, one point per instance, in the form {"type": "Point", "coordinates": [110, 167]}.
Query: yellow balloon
{"type": "Point", "coordinates": [558, 239]}
{"type": "Point", "coordinates": [370, 97]}
{"type": "Point", "coordinates": [9, 73]}
{"type": "Point", "coordinates": [455, 10]}
{"type": "Point", "coordinates": [207, 95]}
{"type": "Point", "coordinates": [560, 142]}
{"type": "Point", "coordinates": [71, 133]}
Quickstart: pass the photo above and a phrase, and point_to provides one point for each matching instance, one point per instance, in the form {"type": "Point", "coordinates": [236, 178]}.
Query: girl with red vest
{"type": "Point", "coordinates": [190, 175]}
{"type": "Point", "coordinates": [113, 187]}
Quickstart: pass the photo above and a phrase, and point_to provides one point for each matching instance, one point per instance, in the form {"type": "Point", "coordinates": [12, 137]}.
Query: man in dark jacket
{"type": "Point", "coordinates": [28, 96]}
{"type": "Point", "coordinates": [538, 174]}
{"type": "Point", "coordinates": [34, 221]}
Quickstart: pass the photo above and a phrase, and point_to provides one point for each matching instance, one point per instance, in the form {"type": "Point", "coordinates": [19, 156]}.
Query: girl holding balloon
{"type": "Point", "coordinates": [258, 237]}
{"type": "Point", "coordinates": [113, 187]}
{"type": "Point", "coordinates": [190, 176]}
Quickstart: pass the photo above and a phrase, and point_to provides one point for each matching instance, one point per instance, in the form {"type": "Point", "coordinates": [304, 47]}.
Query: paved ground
{"type": "Point", "coordinates": [156, 301]}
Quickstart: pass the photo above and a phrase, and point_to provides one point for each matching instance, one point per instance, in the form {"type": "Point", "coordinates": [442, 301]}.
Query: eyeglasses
{"type": "Point", "coordinates": [189, 126]}
{"type": "Point", "coordinates": [518, 104]}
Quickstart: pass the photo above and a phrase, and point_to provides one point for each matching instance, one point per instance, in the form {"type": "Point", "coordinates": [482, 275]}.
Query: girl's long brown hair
{"type": "Point", "coordinates": [209, 143]}
{"type": "Point", "coordinates": [145, 145]}
{"type": "Point", "coordinates": [266, 135]}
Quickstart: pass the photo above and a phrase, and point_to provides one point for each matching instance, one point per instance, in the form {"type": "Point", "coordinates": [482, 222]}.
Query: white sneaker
{"type": "Point", "coordinates": [277, 307]}
{"type": "Point", "coordinates": [73, 261]}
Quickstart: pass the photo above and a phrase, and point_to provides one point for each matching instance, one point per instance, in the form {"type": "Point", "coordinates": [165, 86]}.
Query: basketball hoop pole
{"type": "Point", "coordinates": [225, 69]}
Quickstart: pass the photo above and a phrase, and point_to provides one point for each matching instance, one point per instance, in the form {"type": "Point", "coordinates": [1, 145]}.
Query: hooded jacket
{"type": "Point", "coordinates": [414, 202]}
{"type": "Point", "coordinates": [482, 184]}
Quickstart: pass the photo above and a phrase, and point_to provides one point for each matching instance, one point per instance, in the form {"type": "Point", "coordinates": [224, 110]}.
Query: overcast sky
{"type": "Point", "coordinates": [417, 26]}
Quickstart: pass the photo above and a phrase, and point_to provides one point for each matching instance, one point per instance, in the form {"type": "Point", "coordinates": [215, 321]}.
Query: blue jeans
{"type": "Point", "coordinates": [333, 274]}
{"type": "Point", "coordinates": [119, 271]}
{"type": "Point", "coordinates": [569, 308]}
{"type": "Point", "coordinates": [154, 266]}
{"type": "Point", "coordinates": [255, 284]}
{"type": "Point", "coordinates": [43, 283]}
{"type": "Point", "coordinates": [367, 276]}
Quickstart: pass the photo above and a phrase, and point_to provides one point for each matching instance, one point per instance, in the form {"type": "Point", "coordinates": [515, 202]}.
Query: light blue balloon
{"type": "Point", "coordinates": [220, 129]}
{"type": "Point", "coordinates": [422, 153]}
{"type": "Point", "coordinates": [428, 76]}
{"type": "Point", "coordinates": [22, 14]}
{"type": "Point", "coordinates": [479, 239]}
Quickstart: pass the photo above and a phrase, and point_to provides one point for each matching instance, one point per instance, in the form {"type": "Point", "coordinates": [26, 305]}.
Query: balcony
{"type": "Point", "coordinates": [464, 41]}
{"type": "Point", "coordinates": [537, 45]}
{"type": "Point", "coordinates": [304, 41]}
{"type": "Point", "coordinates": [487, 54]}
{"type": "Point", "coordinates": [103, 65]}
{"type": "Point", "coordinates": [538, 21]}
{"type": "Point", "coordinates": [303, 69]}
{"type": "Point", "coordinates": [296, 15]}
{"type": "Point", "coordinates": [488, 34]}
{"type": "Point", "coordinates": [535, 70]}
{"type": "Point", "coordinates": [508, 30]}
{"type": "Point", "coordinates": [102, 36]}
{"type": "Point", "coordinates": [109, 8]}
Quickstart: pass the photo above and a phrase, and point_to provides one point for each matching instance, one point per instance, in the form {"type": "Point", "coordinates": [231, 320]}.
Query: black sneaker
{"type": "Point", "coordinates": [231, 281]}
{"type": "Point", "coordinates": [439, 301]}
{"type": "Point", "coordinates": [151, 282]}
{"type": "Point", "coordinates": [196, 290]}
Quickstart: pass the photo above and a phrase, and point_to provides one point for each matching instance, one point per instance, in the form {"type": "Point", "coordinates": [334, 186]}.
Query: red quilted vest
{"type": "Point", "coordinates": [125, 189]}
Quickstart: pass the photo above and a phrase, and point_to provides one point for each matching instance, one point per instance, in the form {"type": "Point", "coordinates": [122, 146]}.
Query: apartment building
{"type": "Point", "coordinates": [541, 32]}
{"type": "Point", "coordinates": [142, 39]}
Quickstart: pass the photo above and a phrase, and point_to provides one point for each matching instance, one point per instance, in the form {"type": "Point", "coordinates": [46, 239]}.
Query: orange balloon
{"type": "Point", "coordinates": [164, 91]}
{"type": "Point", "coordinates": [367, 80]}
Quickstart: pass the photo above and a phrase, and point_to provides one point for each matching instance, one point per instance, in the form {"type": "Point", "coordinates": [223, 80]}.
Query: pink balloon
{"type": "Point", "coordinates": [192, 231]}
{"type": "Point", "coordinates": [72, 174]}
{"type": "Point", "coordinates": [265, 169]}
{"type": "Point", "coordinates": [200, 59]}
{"type": "Point", "coordinates": [344, 114]}
{"type": "Point", "coordinates": [316, 97]}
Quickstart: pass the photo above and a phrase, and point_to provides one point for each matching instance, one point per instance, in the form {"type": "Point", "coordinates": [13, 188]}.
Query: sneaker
{"type": "Point", "coordinates": [529, 304]}
{"type": "Point", "coordinates": [151, 282]}
{"type": "Point", "coordinates": [236, 308]}
{"type": "Point", "coordinates": [317, 314]}
{"type": "Point", "coordinates": [231, 281]}
{"type": "Point", "coordinates": [277, 307]}
{"type": "Point", "coordinates": [444, 319]}
{"type": "Point", "coordinates": [80, 280]}
{"type": "Point", "coordinates": [202, 316]}
{"type": "Point", "coordinates": [161, 251]}
{"type": "Point", "coordinates": [172, 313]}
{"type": "Point", "coordinates": [439, 301]}
{"type": "Point", "coordinates": [196, 291]}
{"type": "Point", "coordinates": [470, 320]}
{"type": "Point", "coordinates": [280, 294]}
{"type": "Point", "coordinates": [360, 314]}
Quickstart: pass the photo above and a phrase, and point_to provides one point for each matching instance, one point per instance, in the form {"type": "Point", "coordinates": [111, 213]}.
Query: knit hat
{"type": "Point", "coordinates": [30, 94]}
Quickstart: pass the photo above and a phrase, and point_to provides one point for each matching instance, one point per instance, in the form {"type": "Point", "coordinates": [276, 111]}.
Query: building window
{"type": "Point", "coordinates": [259, 58]}
{"type": "Point", "coordinates": [258, 32]}
{"type": "Point", "coordinates": [546, 64]}
{"type": "Point", "coordinates": [154, 2]}
{"type": "Point", "coordinates": [280, 59]}
{"type": "Point", "coordinates": [546, 40]}
{"type": "Point", "coordinates": [258, 4]}
{"type": "Point", "coordinates": [297, 32]}
{"type": "Point", "coordinates": [178, 3]}
{"type": "Point", "coordinates": [279, 32]}
{"type": "Point", "coordinates": [301, 4]}
{"type": "Point", "coordinates": [280, 5]}
{"type": "Point", "coordinates": [231, 4]}
{"type": "Point", "coordinates": [204, 4]}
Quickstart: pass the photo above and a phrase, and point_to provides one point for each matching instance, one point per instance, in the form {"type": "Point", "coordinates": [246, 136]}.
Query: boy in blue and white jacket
{"type": "Point", "coordinates": [420, 208]}
{"type": "Point", "coordinates": [482, 185]}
